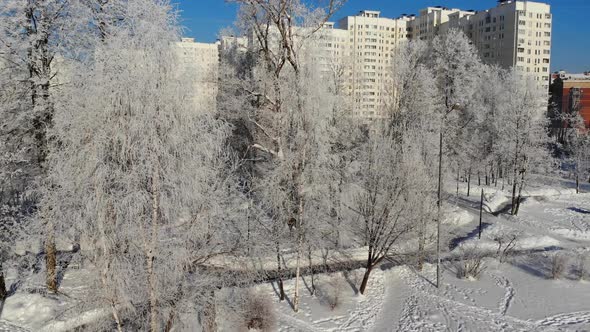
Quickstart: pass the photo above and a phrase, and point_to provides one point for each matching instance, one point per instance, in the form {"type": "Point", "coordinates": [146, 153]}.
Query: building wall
{"type": "Point", "coordinates": [200, 63]}
{"type": "Point", "coordinates": [512, 34]}
{"type": "Point", "coordinates": [577, 92]}
{"type": "Point", "coordinates": [368, 49]}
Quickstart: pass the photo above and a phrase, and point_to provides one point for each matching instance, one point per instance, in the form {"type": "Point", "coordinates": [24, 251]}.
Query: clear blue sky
{"type": "Point", "coordinates": [571, 22]}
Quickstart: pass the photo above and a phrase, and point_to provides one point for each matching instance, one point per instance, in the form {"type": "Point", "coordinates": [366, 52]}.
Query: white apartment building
{"type": "Point", "coordinates": [512, 34]}
{"type": "Point", "coordinates": [200, 62]}
{"type": "Point", "coordinates": [515, 33]}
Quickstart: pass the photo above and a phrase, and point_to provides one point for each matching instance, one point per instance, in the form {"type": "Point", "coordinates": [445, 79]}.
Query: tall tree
{"type": "Point", "coordinates": [287, 118]}
{"type": "Point", "coordinates": [456, 67]}
{"type": "Point", "coordinates": [523, 130]}
{"type": "Point", "coordinates": [33, 36]}
{"type": "Point", "coordinates": [392, 181]}
{"type": "Point", "coordinates": [411, 105]}
{"type": "Point", "coordinates": [143, 174]}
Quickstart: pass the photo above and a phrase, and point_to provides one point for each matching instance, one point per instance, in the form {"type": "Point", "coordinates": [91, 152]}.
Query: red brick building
{"type": "Point", "coordinates": [571, 92]}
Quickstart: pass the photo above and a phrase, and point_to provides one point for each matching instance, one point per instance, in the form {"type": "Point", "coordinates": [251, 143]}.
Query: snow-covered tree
{"type": "Point", "coordinates": [457, 67]}
{"type": "Point", "coordinates": [142, 175]}
{"type": "Point", "coordinates": [288, 118]}
{"type": "Point", "coordinates": [412, 109]}
{"type": "Point", "coordinates": [392, 183]}
{"type": "Point", "coordinates": [522, 126]}
{"type": "Point", "coordinates": [34, 35]}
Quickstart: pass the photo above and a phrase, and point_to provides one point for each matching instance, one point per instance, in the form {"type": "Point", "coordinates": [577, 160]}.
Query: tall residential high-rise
{"type": "Point", "coordinates": [515, 33]}
{"type": "Point", "coordinates": [512, 34]}
{"type": "Point", "coordinates": [200, 63]}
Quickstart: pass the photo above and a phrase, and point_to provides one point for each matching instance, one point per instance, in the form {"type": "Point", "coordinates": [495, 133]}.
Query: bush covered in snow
{"type": "Point", "coordinates": [330, 291]}
{"type": "Point", "coordinates": [470, 264]}
{"type": "Point", "coordinates": [249, 310]}
{"type": "Point", "coordinates": [558, 265]}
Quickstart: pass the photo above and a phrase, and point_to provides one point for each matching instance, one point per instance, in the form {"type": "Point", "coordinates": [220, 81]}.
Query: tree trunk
{"type": "Point", "coordinates": [51, 260]}
{"type": "Point", "coordinates": [513, 208]}
{"type": "Point", "coordinates": [478, 178]}
{"type": "Point", "coordinates": [280, 278]}
{"type": "Point", "coordinates": [458, 180]}
{"type": "Point", "coordinates": [469, 182]}
{"type": "Point", "coordinates": [421, 242]}
{"type": "Point", "coordinates": [577, 183]}
{"type": "Point", "coordinates": [3, 292]}
{"type": "Point", "coordinates": [494, 178]}
{"type": "Point", "coordinates": [311, 271]}
{"type": "Point", "coordinates": [297, 274]}
{"type": "Point", "coordinates": [519, 198]}
{"type": "Point", "coordinates": [480, 213]}
{"type": "Point", "coordinates": [208, 322]}
{"type": "Point", "coordinates": [366, 278]}
{"type": "Point", "coordinates": [170, 321]}
{"type": "Point", "coordinates": [514, 176]}
{"type": "Point", "coordinates": [116, 317]}
{"type": "Point", "coordinates": [150, 254]}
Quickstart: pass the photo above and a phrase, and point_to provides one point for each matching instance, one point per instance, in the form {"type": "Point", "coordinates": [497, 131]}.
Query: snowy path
{"type": "Point", "coordinates": [429, 310]}
{"type": "Point", "coordinates": [566, 319]}
{"type": "Point", "coordinates": [509, 292]}
{"type": "Point", "coordinates": [9, 327]}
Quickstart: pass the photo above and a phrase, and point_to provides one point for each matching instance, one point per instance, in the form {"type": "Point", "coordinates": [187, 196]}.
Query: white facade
{"type": "Point", "coordinates": [200, 62]}
{"type": "Point", "coordinates": [513, 34]}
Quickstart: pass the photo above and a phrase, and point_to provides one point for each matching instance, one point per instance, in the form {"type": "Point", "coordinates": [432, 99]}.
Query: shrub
{"type": "Point", "coordinates": [506, 244]}
{"type": "Point", "coordinates": [470, 265]}
{"type": "Point", "coordinates": [582, 271]}
{"type": "Point", "coordinates": [558, 264]}
{"type": "Point", "coordinates": [330, 292]}
{"type": "Point", "coordinates": [246, 309]}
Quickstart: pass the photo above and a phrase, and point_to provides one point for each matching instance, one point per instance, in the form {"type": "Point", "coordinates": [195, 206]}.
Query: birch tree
{"type": "Point", "coordinates": [392, 182]}
{"type": "Point", "coordinates": [522, 125]}
{"type": "Point", "coordinates": [287, 127]}
{"type": "Point", "coordinates": [143, 175]}
{"type": "Point", "coordinates": [33, 35]}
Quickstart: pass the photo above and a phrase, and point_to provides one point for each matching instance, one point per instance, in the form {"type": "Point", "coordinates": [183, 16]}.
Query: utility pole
{"type": "Point", "coordinates": [439, 206]}
{"type": "Point", "coordinates": [480, 212]}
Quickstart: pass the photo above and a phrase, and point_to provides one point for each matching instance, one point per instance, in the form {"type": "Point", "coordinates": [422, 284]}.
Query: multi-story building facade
{"type": "Point", "coordinates": [571, 94]}
{"type": "Point", "coordinates": [367, 44]}
{"type": "Point", "coordinates": [512, 34]}
{"type": "Point", "coordinates": [200, 63]}
{"type": "Point", "coordinates": [515, 33]}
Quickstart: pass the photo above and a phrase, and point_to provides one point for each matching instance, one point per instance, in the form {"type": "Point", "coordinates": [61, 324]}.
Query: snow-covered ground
{"type": "Point", "coordinates": [507, 297]}
{"type": "Point", "coordinates": [517, 295]}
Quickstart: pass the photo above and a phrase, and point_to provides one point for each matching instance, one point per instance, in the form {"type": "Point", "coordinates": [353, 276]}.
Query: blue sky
{"type": "Point", "coordinates": [202, 20]}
